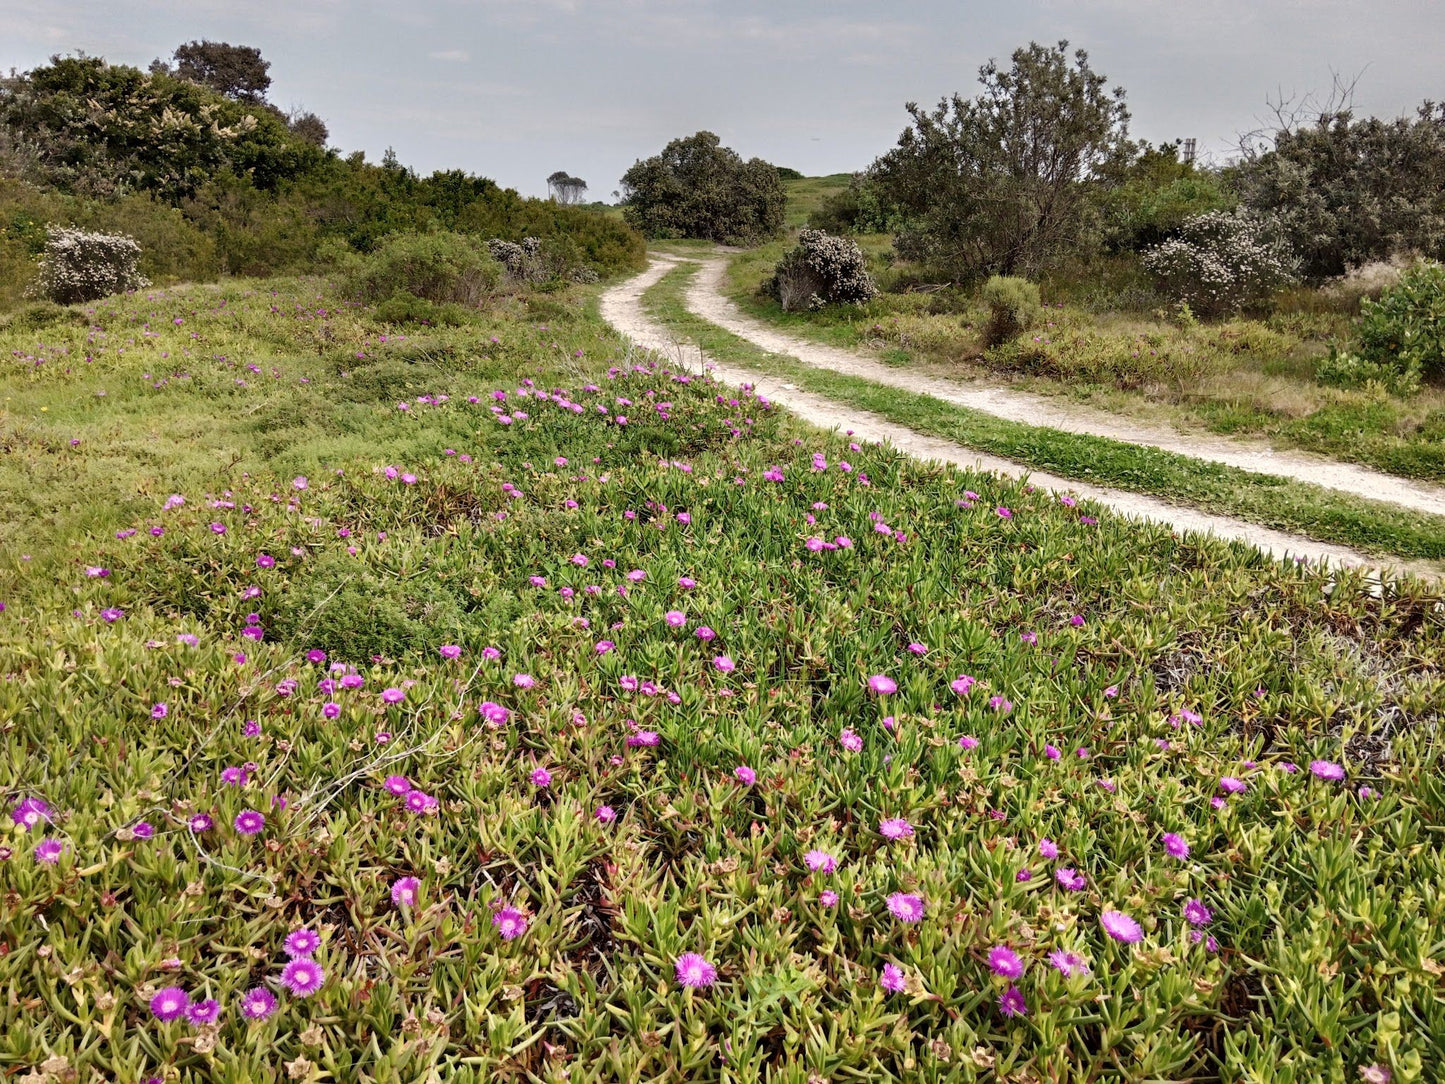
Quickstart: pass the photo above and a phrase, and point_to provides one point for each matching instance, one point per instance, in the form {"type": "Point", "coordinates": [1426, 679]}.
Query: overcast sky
{"type": "Point", "coordinates": [515, 89]}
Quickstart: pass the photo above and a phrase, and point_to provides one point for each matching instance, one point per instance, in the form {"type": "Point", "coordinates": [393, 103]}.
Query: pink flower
{"type": "Point", "coordinates": [893, 980]}
{"type": "Point", "coordinates": [1068, 964]}
{"type": "Point", "coordinates": [1071, 879]}
{"type": "Point", "coordinates": [694, 971]}
{"type": "Point", "coordinates": [962, 684]}
{"type": "Point", "coordinates": [895, 828]}
{"type": "Point", "coordinates": [906, 907]}
{"type": "Point", "coordinates": [850, 741]}
{"type": "Point", "coordinates": [1011, 1002]}
{"type": "Point", "coordinates": [882, 685]}
{"type": "Point", "coordinates": [510, 923]}
{"type": "Point", "coordinates": [541, 777]}
{"type": "Point", "coordinates": [1327, 769]}
{"type": "Point", "coordinates": [1196, 914]}
{"type": "Point", "coordinates": [745, 775]}
{"type": "Point", "coordinates": [675, 618]}
{"type": "Point", "coordinates": [1005, 962]}
{"type": "Point", "coordinates": [1175, 845]}
{"type": "Point", "coordinates": [828, 898]}
{"type": "Point", "coordinates": [1121, 927]}
{"type": "Point", "coordinates": [820, 861]}
{"type": "Point", "coordinates": [605, 814]}
{"type": "Point", "coordinates": [723, 664]}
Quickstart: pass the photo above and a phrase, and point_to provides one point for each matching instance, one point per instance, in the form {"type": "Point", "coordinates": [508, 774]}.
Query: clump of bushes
{"type": "Point", "coordinates": [83, 265]}
{"type": "Point", "coordinates": [438, 267]}
{"type": "Point", "coordinates": [1222, 262]}
{"type": "Point", "coordinates": [1014, 306]}
{"type": "Point", "coordinates": [1401, 336]}
{"type": "Point", "coordinates": [535, 262]}
{"type": "Point", "coordinates": [821, 270]}
{"type": "Point", "coordinates": [698, 188]}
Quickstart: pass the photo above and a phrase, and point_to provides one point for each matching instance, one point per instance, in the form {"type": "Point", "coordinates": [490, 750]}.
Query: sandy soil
{"type": "Point", "coordinates": [705, 298]}
{"type": "Point", "coordinates": [621, 306]}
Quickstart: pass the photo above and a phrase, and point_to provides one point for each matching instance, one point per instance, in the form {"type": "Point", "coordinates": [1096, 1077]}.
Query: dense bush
{"type": "Point", "coordinates": [1348, 191]}
{"type": "Point", "coordinates": [1222, 262]}
{"type": "Point", "coordinates": [438, 267]}
{"type": "Point", "coordinates": [1013, 306]}
{"type": "Point", "coordinates": [1401, 336]}
{"type": "Point", "coordinates": [1000, 183]}
{"type": "Point", "coordinates": [821, 270]}
{"type": "Point", "coordinates": [861, 207]}
{"type": "Point", "coordinates": [698, 188]}
{"type": "Point", "coordinates": [79, 265]}
{"type": "Point", "coordinates": [534, 262]}
{"type": "Point", "coordinates": [1152, 196]}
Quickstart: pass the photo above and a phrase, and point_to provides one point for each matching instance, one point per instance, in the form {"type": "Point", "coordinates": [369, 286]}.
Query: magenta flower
{"type": "Point", "coordinates": [605, 814]}
{"type": "Point", "coordinates": [160, 711]}
{"type": "Point", "coordinates": [893, 979]}
{"type": "Point", "coordinates": [1328, 770]}
{"type": "Point", "coordinates": [201, 1013]}
{"type": "Point", "coordinates": [1196, 914]}
{"type": "Point", "coordinates": [510, 922]}
{"type": "Point", "coordinates": [1011, 1002]}
{"type": "Point", "coordinates": [962, 684]}
{"type": "Point", "coordinates": [258, 1003]}
{"type": "Point", "coordinates": [820, 861]}
{"type": "Point", "coordinates": [1121, 927]}
{"type": "Point", "coordinates": [1070, 878]}
{"type": "Point", "coordinates": [201, 822]}
{"type": "Point", "coordinates": [645, 738]}
{"type": "Point", "coordinates": [895, 828]}
{"type": "Point", "coordinates": [405, 891]}
{"type": "Point", "coordinates": [1005, 962]}
{"type": "Point", "coordinates": [523, 681]}
{"type": "Point", "coordinates": [723, 664]}
{"type": "Point", "coordinates": [142, 830]}
{"type": "Point", "coordinates": [745, 775]}
{"type": "Point", "coordinates": [1068, 964]}
{"type": "Point", "coordinates": [850, 741]}
{"type": "Point", "coordinates": [450, 651]}
{"type": "Point", "coordinates": [29, 812]}
{"type": "Point", "coordinates": [49, 851]}
{"type": "Point", "coordinates": [675, 618]}
{"type": "Point", "coordinates": [493, 713]}
{"type": "Point", "coordinates": [1048, 848]}
{"type": "Point", "coordinates": [397, 784]}
{"type": "Point", "coordinates": [882, 685]}
{"type": "Point", "coordinates": [249, 822]}
{"type": "Point", "coordinates": [541, 777]}
{"type": "Point", "coordinates": [392, 696]}
{"type": "Point", "coordinates": [692, 970]}
{"type": "Point", "coordinates": [906, 907]}
{"type": "Point", "coordinates": [1175, 845]}
{"type": "Point", "coordinates": [828, 898]}
{"type": "Point", "coordinates": [170, 1003]}
{"type": "Point", "coordinates": [301, 944]}
{"type": "Point", "coordinates": [303, 977]}
{"type": "Point", "coordinates": [1230, 785]}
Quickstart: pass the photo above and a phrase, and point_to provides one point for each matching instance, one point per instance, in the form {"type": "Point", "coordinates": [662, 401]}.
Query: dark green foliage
{"type": "Point", "coordinates": [41, 315]}
{"type": "Point", "coordinates": [237, 71]}
{"type": "Point", "coordinates": [1350, 191]}
{"type": "Point", "coordinates": [698, 188]}
{"type": "Point", "coordinates": [438, 267]}
{"type": "Point", "coordinates": [1000, 183]}
{"type": "Point", "coordinates": [1013, 306]}
{"type": "Point", "coordinates": [1151, 198]}
{"type": "Point", "coordinates": [1405, 329]}
{"type": "Point", "coordinates": [862, 207]}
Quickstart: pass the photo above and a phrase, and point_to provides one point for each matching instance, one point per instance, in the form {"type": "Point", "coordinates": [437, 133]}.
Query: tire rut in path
{"type": "Point", "coordinates": [704, 298]}
{"type": "Point", "coordinates": [621, 306]}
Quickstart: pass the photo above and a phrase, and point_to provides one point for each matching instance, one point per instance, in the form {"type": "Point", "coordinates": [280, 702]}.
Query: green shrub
{"type": "Point", "coordinates": [439, 267]}
{"type": "Point", "coordinates": [1405, 329]}
{"type": "Point", "coordinates": [406, 308]}
{"type": "Point", "coordinates": [80, 265]}
{"type": "Point", "coordinates": [1344, 369]}
{"type": "Point", "coordinates": [1013, 306]}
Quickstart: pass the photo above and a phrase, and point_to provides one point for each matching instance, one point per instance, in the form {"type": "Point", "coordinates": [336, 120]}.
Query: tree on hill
{"type": "Point", "coordinates": [1000, 183]}
{"type": "Point", "coordinates": [306, 125]}
{"type": "Point", "coordinates": [698, 188]}
{"type": "Point", "coordinates": [564, 188]}
{"type": "Point", "coordinates": [237, 71]}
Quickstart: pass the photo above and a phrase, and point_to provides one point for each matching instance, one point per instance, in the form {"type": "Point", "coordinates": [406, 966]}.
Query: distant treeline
{"type": "Point", "coordinates": [212, 183]}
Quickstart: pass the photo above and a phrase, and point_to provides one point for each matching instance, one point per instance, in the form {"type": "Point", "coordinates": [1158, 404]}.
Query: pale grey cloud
{"type": "Point", "coordinates": [515, 89]}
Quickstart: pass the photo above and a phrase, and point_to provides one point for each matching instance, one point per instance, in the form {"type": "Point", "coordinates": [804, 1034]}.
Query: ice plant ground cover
{"type": "Point", "coordinates": [490, 703]}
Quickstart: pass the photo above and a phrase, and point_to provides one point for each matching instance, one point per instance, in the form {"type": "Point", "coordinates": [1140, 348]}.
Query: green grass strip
{"type": "Point", "coordinates": [1269, 500]}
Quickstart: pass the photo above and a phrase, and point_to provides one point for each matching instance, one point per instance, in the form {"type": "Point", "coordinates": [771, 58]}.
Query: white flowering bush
{"type": "Point", "coordinates": [821, 270]}
{"type": "Point", "coordinates": [81, 265]}
{"type": "Point", "coordinates": [1223, 261]}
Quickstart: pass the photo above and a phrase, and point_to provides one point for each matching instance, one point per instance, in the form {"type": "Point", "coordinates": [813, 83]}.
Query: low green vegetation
{"type": "Point", "coordinates": [1108, 340]}
{"type": "Point", "coordinates": [487, 702]}
{"type": "Point", "coordinates": [1265, 499]}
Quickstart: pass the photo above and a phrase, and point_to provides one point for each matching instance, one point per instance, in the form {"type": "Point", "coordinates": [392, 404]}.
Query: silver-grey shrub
{"type": "Point", "coordinates": [821, 270]}
{"type": "Point", "coordinates": [82, 265]}
{"type": "Point", "coordinates": [1223, 261]}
